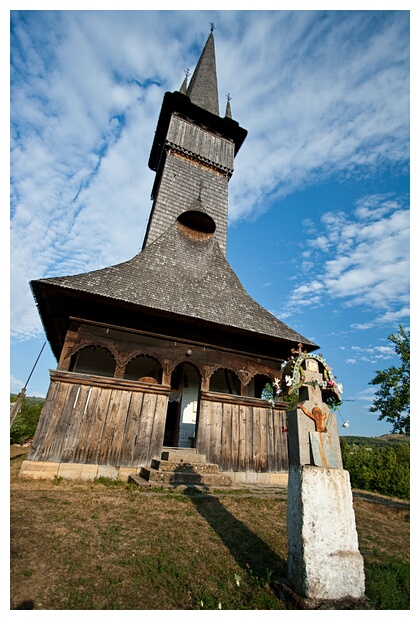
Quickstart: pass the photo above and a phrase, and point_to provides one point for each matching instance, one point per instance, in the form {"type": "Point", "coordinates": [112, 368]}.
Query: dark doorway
{"type": "Point", "coordinates": [183, 405]}
{"type": "Point", "coordinates": [171, 436]}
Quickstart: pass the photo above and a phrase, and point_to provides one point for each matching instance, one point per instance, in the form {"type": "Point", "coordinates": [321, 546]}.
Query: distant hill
{"type": "Point", "coordinates": [372, 442]}
{"type": "Point", "coordinates": [32, 399]}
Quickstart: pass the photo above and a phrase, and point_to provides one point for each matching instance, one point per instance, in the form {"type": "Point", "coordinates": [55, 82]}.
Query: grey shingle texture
{"type": "Point", "coordinates": [183, 273]}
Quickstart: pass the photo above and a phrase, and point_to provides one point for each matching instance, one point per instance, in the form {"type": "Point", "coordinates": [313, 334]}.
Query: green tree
{"type": "Point", "coordinates": [392, 399]}
{"type": "Point", "coordinates": [26, 421]}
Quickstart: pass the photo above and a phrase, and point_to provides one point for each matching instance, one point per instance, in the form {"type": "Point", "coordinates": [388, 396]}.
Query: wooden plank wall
{"type": "Point", "coordinates": [98, 422]}
{"type": "Point", "coordinates": [241, 435]}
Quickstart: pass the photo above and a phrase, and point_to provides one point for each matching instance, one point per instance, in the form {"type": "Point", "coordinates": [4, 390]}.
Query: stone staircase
{"type": "Point", "coordinates": [182, 467]}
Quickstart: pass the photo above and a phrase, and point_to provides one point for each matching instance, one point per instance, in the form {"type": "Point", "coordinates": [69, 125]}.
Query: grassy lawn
{"type": "Point", "coordinates": [111, 546]}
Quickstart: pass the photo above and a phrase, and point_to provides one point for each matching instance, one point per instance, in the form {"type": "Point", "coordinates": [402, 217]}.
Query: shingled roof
{"type": "Point", "coordinates": [183, 272]}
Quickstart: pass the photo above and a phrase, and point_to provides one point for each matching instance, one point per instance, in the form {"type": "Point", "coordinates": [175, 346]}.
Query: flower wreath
{"type": "Point", "coordinates": [294, 378]}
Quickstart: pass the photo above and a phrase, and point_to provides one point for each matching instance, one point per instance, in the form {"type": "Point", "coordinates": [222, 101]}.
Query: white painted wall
{"type": "Point", "coordinates": [189, 405]}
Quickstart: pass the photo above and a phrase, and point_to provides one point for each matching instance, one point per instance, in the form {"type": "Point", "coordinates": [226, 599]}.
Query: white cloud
{"type": "Point", "coordinates": [386, 318]}
{"type": "Point", "coordinates": [15, 385]}
{"type": "Point", "coordinates": [368, 266]}
{"type": "Point", "coordinates": [366, 394]}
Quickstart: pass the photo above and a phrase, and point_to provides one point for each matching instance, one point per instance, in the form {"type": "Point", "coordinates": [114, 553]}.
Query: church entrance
{"type": "Point", "coordinates": [182, 413]}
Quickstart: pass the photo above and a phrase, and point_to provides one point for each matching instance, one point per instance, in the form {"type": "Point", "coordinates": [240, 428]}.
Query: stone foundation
{"type": "Point", "coordinates": [251, 477]}
{"type": "Point", "coordinates": [38, 470]}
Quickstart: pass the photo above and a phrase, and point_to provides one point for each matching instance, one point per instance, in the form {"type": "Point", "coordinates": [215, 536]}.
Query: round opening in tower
{"type": "Point", "coordinates": [197, 222]}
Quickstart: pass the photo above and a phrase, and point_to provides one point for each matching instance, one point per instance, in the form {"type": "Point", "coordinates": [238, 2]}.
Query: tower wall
{"type": "Point", "coordinates": [198, 163]}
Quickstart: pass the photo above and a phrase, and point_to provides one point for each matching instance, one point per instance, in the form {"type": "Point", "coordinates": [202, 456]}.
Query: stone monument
{"type": "Point", "coordinates": [324, 562]}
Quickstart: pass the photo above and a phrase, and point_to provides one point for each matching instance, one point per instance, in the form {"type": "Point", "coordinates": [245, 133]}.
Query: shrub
{"type": "Point", "coordinates": [25, 423]}
{"type": "Point", "coordinates": [384, 470]}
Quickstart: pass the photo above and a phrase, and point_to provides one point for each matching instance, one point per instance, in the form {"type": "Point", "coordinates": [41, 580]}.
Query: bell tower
{"type": "Point", "coordinates": [193, 152]}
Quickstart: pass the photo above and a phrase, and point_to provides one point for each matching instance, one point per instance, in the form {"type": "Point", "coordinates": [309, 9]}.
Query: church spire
{"type": "Point", "coordinates": [183, 89]}
{"type": "Point", "coordinates": [202, 89]}
{"type": "Point", "coordinates": [228, 113]}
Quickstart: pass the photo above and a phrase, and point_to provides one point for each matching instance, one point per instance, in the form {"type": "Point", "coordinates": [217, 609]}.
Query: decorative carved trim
{"type": "Point", "coordinates": [208, 370]}
{"type": "Point", "coordinates": [81, 342]}
{"type": "Point", "coordinates": [226, 172]}
{"type": "Point", "coordinates": [244, 375]}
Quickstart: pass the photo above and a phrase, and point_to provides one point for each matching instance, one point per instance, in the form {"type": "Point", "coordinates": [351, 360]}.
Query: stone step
{"type": "Point", "coordinates": [183, 466]}
{"type": "Point", "coordinates": [180, 455]}
{"type": "Point", "coordinates": [179, 477]}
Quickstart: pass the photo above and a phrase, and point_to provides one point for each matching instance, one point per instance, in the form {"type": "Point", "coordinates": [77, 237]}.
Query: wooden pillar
{"type": "Point", "coordinates": [65, 357]}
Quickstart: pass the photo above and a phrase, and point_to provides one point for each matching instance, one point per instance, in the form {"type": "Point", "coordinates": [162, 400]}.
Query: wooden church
{"type": "Point", "coordinates": [166, 353]}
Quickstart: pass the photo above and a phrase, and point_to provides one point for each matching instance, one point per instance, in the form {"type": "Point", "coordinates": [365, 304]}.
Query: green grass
{"type": "Point", "coordinates": [112, 546]}
{"type": "Point", "coordinates": [388, 584]}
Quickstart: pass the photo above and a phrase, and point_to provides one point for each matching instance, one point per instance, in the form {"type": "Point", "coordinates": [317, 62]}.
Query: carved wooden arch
{"type": "Point", "coordinates": [138, 354]}
{"type": "Point", "coordinates": [105, 362]}
{"type": "Point", "coordinates": [121, 358]}
{"type": "Point", "coordinates": [245, 375]}
{"type": "Point", "coordinates": [141, 353]}
{"type": "Point", "coordinates": [190, 363]}
{"type": "Point", "coordinates": [92, 343]}
{"type": "Point", "coordinates": [231, 368]}
{"type": "Point", "coordinates": [271, 374]}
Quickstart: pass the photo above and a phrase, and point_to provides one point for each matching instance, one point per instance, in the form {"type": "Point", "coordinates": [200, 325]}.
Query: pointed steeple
{"type": "Point", "coordinates": [202, 89]}
{"type": "Point", "coordinates": [183, 89]}
{"type": "Point", "coordinates": [228, 113]}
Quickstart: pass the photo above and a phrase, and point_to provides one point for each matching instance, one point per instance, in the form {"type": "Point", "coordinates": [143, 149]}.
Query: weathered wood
{"type": "Point", "coordinates": [73, 435]}
{"type": "Point", "coordinates": [221, 397]}
{"type": "Point", "coordinates": [189, 138]}
{"type": "Point", "coordinates": [87, 433]}
{"type": "Point", "coordinates": [235, 437]}
{"type": "Point", "coordinates": [226, 437]}
{"type": "Point", "coordinates": [130, 456]}
{"type": "Point", "coordinates": [158, 428]}
{"type": "Point", "coordinates": [278, 439]}
{"type": "Point", "coordinates": [59, 422]}
{"type": "Point", "coordinates": [284, 461]}
{"type": "Point", "coordinates": [271, 459]}
{"type": "Point", "coordinates": [256, 440]}
{"type": "Point", "coordinates": [203, 431]}
{"type": "Point", "coordinates": [93, 450]}
{"type": "Point", "coordinates": [146, 427]}
{"type": "Point", "coordinates": [216, 432]}
{"type": "Point", "coordinates": [264, 413]}
{"type": "Point", "coordinates": [44, 422]}
{"type": "Point", "coordinates": [130, 429]}
{"type": "Point", "coordinates": [119, 414]}
{"type": "Point", "coordinates": [243, 438]}
{"type": "Point", "coordinates": [76, 378]}
{"type": "Point", "coordinates": [109, 429]}
{"type": "Point", "coordinates": [110, 420]}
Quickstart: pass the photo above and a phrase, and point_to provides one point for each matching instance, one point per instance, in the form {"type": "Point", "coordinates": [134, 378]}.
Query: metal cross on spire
{"type": "Point", "coordinates": [212, 27]}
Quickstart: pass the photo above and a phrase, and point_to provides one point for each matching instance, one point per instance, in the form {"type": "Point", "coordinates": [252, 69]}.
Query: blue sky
{"type": "Point", "coordinates": [319, 215]}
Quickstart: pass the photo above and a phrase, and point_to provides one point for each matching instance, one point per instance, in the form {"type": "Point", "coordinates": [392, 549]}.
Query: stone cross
{"type": "Point", "coordinates": [313, 380]}
{"type": "Point", "coordinates": [313, 433]}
